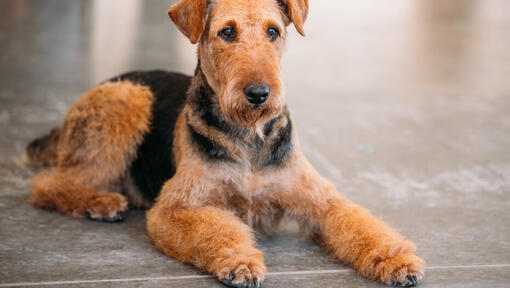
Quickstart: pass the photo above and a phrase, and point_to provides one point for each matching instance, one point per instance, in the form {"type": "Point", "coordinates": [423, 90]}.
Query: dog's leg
{"type": "Point", "coordinates": [210, 238]}
{"type": "Point", "coordinates": [354, 235]}
{"type": "Point", "coordinates": [96, 145]}
{"type": "Point", "coordinates": [56, 190]}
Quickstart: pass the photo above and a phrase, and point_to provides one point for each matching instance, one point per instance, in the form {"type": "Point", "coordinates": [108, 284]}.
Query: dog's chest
{"type": "Point", "coordinates": [258, 212]}
{"type": "Point", "coordinates": [251, 196]}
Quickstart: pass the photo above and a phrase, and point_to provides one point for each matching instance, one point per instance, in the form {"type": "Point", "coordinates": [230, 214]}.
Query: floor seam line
{"type": "Point", "coordinates": [302, 272]}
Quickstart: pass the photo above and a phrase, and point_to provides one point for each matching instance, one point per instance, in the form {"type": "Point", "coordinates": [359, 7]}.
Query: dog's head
{"type": "Point", "coordinates": [240, 45]}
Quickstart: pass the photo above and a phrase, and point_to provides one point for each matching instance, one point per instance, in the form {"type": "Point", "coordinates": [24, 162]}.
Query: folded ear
{"type": "Point", "coordinates": [189, 16]}
{"type": "Point", "coordinates": [297, 11]}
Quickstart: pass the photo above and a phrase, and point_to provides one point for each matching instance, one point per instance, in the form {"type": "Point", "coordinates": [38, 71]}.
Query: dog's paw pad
{"type": "Point", "coordinates": [108, 208]}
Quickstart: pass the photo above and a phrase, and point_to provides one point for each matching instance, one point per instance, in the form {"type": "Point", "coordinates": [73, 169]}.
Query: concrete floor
{"type": "Point", "coordinates": [405, 106]}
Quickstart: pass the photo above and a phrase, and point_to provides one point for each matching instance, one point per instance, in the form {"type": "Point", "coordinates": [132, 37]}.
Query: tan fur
{"type": "Point", "coordinates": [261, 198]}
{"type": "Point", "coordinates": [229, 67]}
{"type": "Point", "coordinates": [205, 213]}
{"type": "Point", "coordinates": [96, 145]}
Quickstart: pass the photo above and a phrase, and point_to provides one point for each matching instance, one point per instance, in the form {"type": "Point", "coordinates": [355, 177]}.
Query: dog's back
{"type": "Point", "coordinates": [154, 162]}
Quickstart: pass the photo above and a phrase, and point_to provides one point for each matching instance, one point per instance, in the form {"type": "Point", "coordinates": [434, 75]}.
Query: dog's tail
{"type": "Point", "coordinates": [43, 150]}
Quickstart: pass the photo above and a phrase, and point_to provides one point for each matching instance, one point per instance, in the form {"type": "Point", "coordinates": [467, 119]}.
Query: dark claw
{"type": "Point", "coordinates": [411, 281]}
{"type": "Point", "coordinates": [414, 280]}
{"type": "Point", "coordinates": [248, 283]}
{"type": "Point", "coordinates": [228, 282]}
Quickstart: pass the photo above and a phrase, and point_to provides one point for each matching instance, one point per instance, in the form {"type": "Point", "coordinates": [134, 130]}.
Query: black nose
{"type": "Point", "coordinates": [256, 93]}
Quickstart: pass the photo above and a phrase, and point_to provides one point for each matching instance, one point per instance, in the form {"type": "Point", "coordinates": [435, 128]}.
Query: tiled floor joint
{"type": "Point", "coordinates": [305, 272]}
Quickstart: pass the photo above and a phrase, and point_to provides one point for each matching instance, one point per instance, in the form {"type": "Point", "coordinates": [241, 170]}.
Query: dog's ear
{"type": "Point", "coordinates": [189, 16]}
{"type": "Point", "coordinates": [296, 10]}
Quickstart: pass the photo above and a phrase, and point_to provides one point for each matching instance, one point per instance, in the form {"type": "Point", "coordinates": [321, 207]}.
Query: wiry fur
{"type": "Point", "coordinates": [234, 167]}
{"type": "Point", "coordinates": [95, 147]}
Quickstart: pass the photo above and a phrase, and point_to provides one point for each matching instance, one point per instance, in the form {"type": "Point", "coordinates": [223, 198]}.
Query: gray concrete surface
{"type": "Point", "coordinates": [404, 105]}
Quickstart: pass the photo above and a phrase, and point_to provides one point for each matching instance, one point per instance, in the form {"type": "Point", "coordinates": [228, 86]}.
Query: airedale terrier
{"type": "Point", "coordinates": [218, 152]}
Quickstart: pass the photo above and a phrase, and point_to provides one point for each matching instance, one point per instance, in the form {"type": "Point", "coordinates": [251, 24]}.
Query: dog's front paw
{"type": "Point", "coordinates": [108, 207]}
{"type": "Point", "coordinates": [242, 271]}
{"type": "Point", "coordinates": [404, 270]}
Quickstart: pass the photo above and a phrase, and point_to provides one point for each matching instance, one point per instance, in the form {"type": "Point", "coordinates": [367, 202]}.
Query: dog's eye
{"type": "Point", "coordinates": [273, 33]}
{"type": "Point", "coordinates": [228, 34]}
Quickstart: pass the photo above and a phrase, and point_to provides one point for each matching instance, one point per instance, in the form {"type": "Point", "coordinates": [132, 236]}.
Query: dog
{"type": "Point", "coordinates": [212, 156]}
